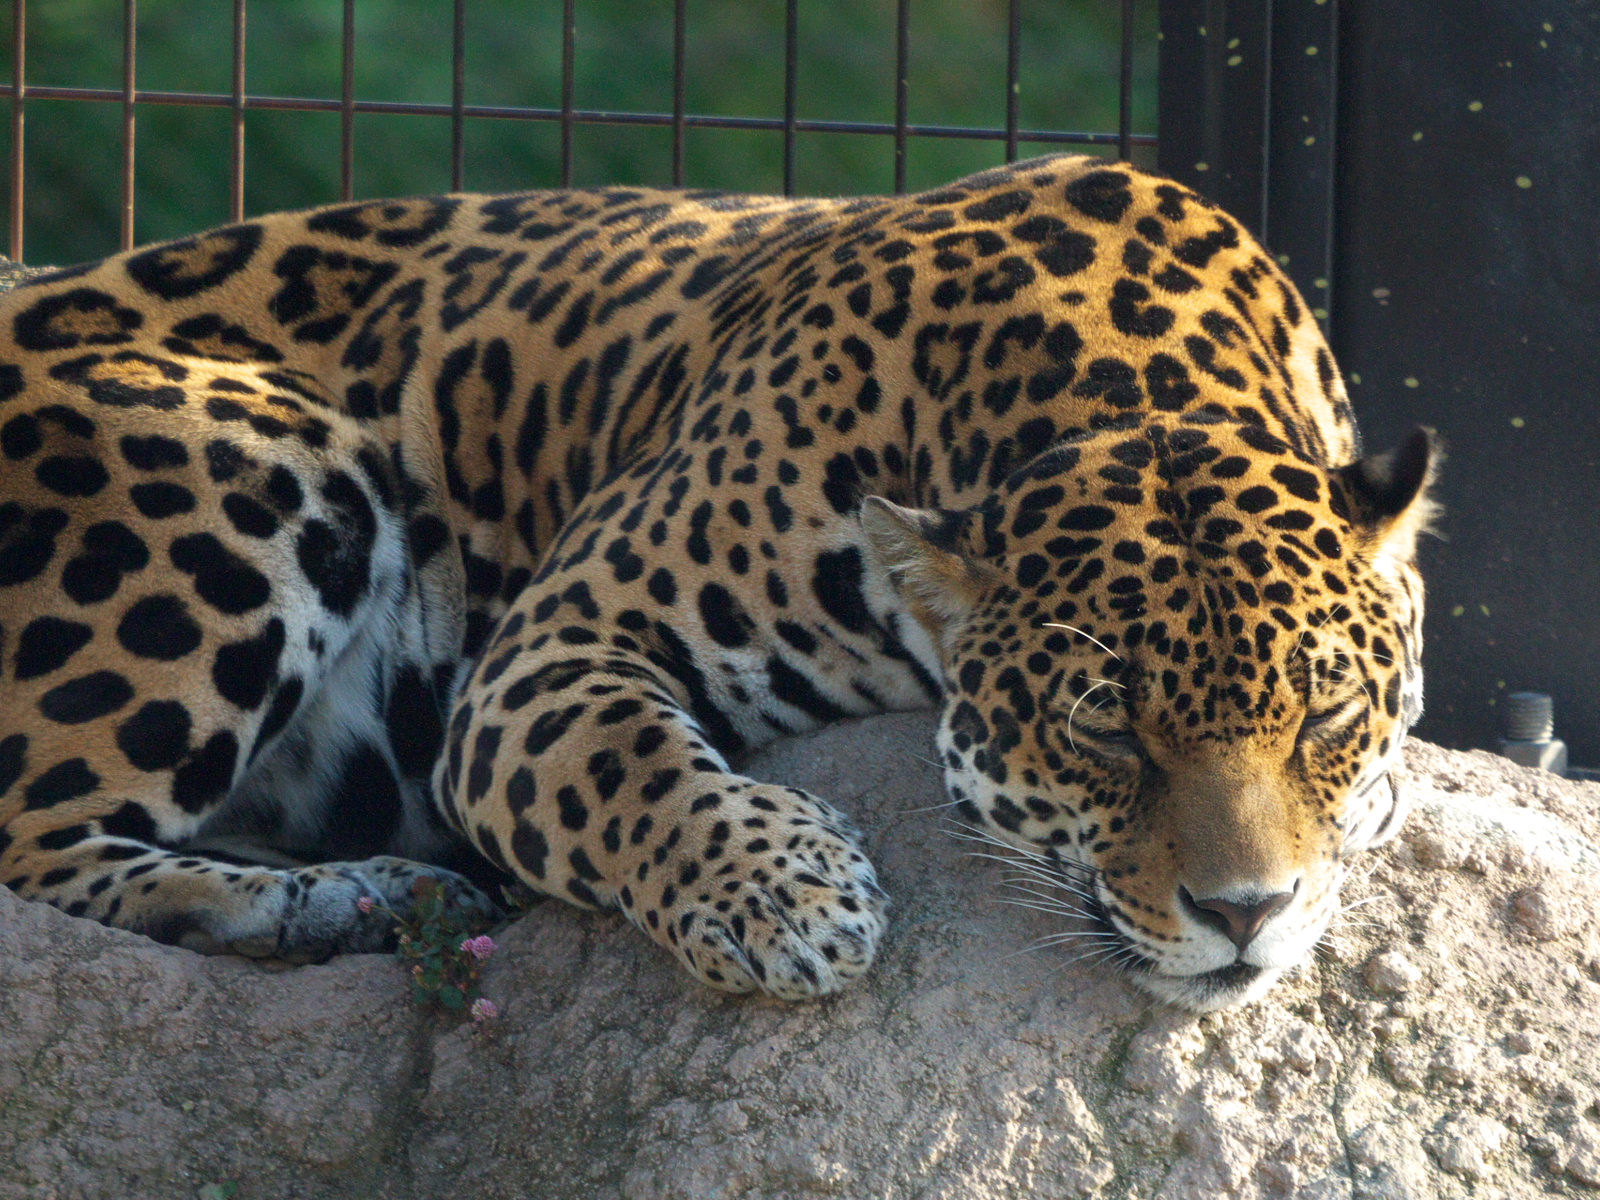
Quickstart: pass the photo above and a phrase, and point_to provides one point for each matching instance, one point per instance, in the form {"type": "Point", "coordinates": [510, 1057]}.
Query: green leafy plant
{"type": "Point", "coordinates": [444, 949]}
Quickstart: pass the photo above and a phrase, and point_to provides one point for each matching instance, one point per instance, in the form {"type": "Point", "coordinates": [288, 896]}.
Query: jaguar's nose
{"type": "Point", "coordinates": [1241, 918]}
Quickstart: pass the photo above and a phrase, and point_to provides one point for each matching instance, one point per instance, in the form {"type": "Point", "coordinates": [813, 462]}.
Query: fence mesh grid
{"type": "Point", "coordinates": [568, 115]}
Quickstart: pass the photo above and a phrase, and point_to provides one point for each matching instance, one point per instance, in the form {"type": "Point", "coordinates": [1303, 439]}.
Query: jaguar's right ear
{"type": "Point", "coordinates": [1387, 496]}
{"type": "Point", "coordinates": [926, 555]}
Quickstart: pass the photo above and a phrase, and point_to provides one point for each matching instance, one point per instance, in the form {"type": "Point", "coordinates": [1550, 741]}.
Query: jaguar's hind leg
{"type": "Point", "coordinates": [94, 845]}
{"type": "Point", "coordinates": [166, 635]}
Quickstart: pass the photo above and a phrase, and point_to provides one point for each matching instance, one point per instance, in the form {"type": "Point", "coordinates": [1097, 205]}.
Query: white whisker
{"type": "Point", "coordinates": [1077, 940]}
{"type": "Point", "coordinates": [1054, 883]}
{"type": "Point", "coordinates": [1023, 858]}
{"type": "Point", "coordinates": [1053, 910]}
{"type": "Point", "coordinates": [929, 807]}
{"type": "Point", "coordinates": [1355, 904]}
{"type": "Point", "coordinates": [1074, 711]}
{"type": "Point", "coordinates": [1094, 952]}
{"type": "Point", "coordinates": [1097, 955]}
{"type": "Point", "coordinates": [977, 833]}
{"type": "Point", "coordinates": [1081, 633]}
{"type": "Point", "coordinates": [1043, 903]}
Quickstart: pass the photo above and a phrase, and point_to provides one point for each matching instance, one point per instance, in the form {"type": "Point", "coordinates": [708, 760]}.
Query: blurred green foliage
{"type": "Point", "coordinates": [1069, 78]}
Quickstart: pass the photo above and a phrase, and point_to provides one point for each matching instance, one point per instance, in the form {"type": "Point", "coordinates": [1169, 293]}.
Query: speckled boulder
{"type": "Point", "coordinates": [1442, 1045]}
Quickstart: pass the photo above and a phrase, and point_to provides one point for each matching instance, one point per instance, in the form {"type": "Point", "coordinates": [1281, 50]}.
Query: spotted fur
{"type": "Point", "coordinates": [482, 535]}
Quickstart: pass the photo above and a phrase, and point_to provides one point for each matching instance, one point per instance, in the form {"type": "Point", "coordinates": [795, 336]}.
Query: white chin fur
{"type": "Point", "coordinates": [1198, 994]}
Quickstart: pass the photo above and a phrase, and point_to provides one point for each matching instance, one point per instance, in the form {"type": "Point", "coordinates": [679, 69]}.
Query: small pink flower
{"type": "Point", "coordinates": [366, 904]}
{"type": "Point", "coordinates": [484, 1009]}
{"type": "Point", "coordinates": [479, 947]}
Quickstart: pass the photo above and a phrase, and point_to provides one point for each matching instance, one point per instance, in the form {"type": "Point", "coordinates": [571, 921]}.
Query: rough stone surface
{"type": "Point", "coordinates": [1391, 973]}
{"type": "Point", "coordinates": [14, 273]}
{"type": "Point", "coordinates": [968, 1066]}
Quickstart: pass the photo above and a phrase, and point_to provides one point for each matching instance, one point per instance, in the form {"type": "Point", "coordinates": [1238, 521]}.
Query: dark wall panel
{"type": "Point", "coordinates": [1249, 118]}
{"type": "Point", "coordinates": [1467, 297]}
{"type": "Point", "coordinates": [1462, 140]}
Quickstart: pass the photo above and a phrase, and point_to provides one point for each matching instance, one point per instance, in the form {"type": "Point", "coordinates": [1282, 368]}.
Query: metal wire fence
{"type": "Point", "coordinates": [567, 116]}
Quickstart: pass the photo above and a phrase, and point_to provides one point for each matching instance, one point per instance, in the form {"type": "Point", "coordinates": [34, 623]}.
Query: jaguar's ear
{"type": "Point", "coordinates": [926, 555]}
{"type": "Point", "coordinates": [1388, 495]}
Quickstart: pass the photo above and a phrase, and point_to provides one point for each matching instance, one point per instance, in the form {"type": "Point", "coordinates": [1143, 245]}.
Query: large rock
{"type": "Point", "coordinates": [1444, 1044]}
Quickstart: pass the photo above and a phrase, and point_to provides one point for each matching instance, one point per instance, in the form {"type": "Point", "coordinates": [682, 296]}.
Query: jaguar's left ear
{"type": "Point", "coordinates": [1388, 495]}
{"type": "Point", "coordinates": [926, 554]}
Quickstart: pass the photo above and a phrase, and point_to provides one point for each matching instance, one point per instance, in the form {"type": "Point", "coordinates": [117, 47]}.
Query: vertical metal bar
{"type": "Point", "coordinates": [347, 106]}
{"type": "Point", "coordinates": [130, 23]}
{"type": "Point", "coordinates": [458, 96]}
{"type": "Point", "coordinates": [791, 32]}
{"type": "Point", "coordinates": [1215, 100]}
{"type": "Point", "coordinates": [1324, 215]}
{"type": "Point", "coordinates": [679, 41]}
{"type": "Point", "coordinates": [19, 47]}
{"type": "Point", "coordinates": [1180, 72]}
{"type": "Point", "coordinates": [1301, 162]}
{"type": "Point", "coordinates": [1125, 95]}
{"type": "Point", "coordinates": [1265, 160]}
{"type": "Point", "coordinates": [568, 37]}
{"type": "Point", "coordinates": [1013, 77]}
{"type": "Point", "coordinates": [236, 184]}
{"type": "Point", "coordinates": [902, 66]}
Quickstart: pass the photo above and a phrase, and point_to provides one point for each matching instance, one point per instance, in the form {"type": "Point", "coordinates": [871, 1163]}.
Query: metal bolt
{"type": "Point", "coordinates": [1530, 733]}
{"type": "Point", "coordinates": [1529, 717]}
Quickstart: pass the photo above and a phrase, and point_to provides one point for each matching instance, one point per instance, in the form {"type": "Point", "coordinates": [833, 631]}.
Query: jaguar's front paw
{"type": "Point", "coordinates": [766, 889]}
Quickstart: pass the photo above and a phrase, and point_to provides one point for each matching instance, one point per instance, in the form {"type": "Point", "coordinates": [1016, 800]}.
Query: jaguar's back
{"type": "Point", "coordinates": [483, 530]}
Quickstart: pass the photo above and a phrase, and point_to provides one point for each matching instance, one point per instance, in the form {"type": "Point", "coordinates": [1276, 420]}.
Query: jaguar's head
{"type": "Point", "coordinates": [1181, 662]}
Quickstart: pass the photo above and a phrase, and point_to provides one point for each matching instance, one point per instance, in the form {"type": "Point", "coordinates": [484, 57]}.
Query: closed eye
{"type": "Point", "coordinates": [1098, 704]}
{"type": "Point", "coordinates": [1117, 743]}
{"type": "Point", "coordinates": [1327, 722]}
{"type": "Point", "coordinates": [1123, 741]}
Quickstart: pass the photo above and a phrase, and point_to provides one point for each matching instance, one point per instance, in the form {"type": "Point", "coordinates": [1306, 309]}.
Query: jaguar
{"type": "Point", "coordinates": [478, 538]}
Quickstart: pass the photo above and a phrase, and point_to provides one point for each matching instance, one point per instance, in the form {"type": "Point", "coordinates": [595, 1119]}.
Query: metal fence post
{"type": "Point", "coordinates": [19, 90]}
{"type": "Point", "coordinates": [130, 33]}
